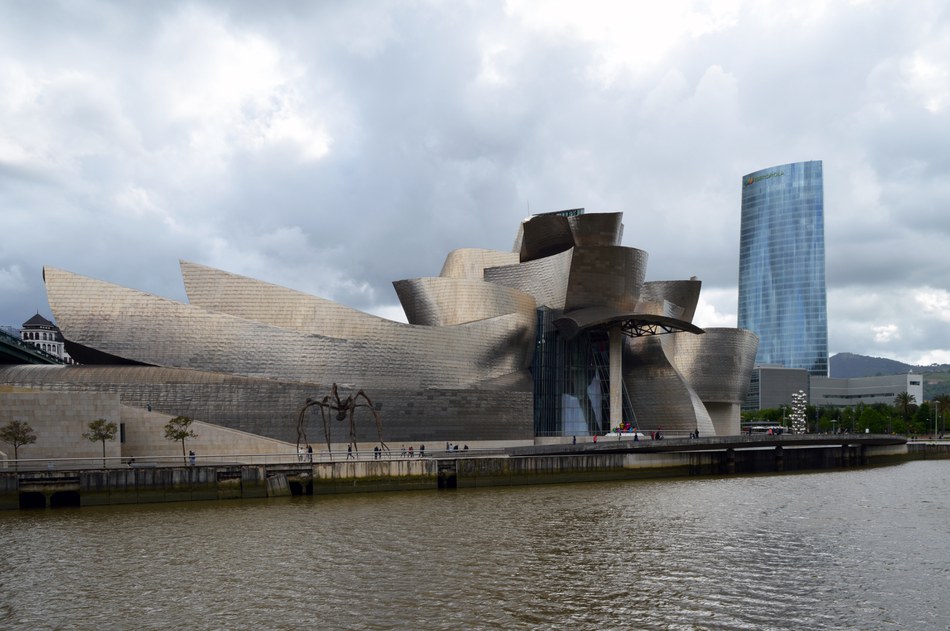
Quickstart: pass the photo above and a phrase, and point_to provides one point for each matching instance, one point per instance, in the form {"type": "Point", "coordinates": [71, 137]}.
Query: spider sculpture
{"type": "Point", "coordinates": [332, 403]}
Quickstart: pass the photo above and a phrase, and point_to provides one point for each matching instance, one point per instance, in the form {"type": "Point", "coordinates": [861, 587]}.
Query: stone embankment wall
{"type": "Point", "coordinates": [39, 489]}
{"type": "Point", "coordinates": [139, 484]}
{"type": "Point", "coordinates": [929, 451]}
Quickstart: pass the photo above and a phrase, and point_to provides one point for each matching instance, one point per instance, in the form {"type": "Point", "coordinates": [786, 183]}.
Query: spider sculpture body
{"type": "Point", "coordinates": [331, 405]}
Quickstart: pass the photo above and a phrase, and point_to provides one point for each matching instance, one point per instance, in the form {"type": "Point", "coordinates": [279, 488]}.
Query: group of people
{"type": "Point", "coordinates": [406, 452]}
{"type": "Point", "coordinates": [411, 453]}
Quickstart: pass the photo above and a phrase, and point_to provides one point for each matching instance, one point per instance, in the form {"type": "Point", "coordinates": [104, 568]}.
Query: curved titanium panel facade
{"type": "Point", "coordinates": [782, 266]}
{"type": "Point", "coordinates": [672, 298]}
{"type": "Point", "coordinates": [152, 330]}
{"type": "Point", "coordinates": [597, 229]}
{"type": "Point", "coordinates": [472, 262]}
{"type": "Point", "coordinates": [546, 279]}
{"type": "Point", "coordinates": [660, 395]}
{"type": "Point", "coordinates": [606, 276]}
{"type": "Point", "coordinates": [251, 299]}
{"type": "Point", "coordinates": [731, 351]}
{"type": "Point", "coordinates": [545, 235]}
{"type": "Point", "coordinates": [448, 301]}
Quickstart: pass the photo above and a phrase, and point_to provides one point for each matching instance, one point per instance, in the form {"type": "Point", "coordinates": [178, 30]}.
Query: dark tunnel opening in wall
{"type": "Point", "coordinates": [64, 499]}
{"type": "Point", "coordinates": [32, 499]}
{"type": "Point", "coordinates": [300, 488]}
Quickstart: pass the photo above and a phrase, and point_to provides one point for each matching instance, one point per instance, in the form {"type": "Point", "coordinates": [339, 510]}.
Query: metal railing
{"type": "Point", "coordinates": [207, 460]}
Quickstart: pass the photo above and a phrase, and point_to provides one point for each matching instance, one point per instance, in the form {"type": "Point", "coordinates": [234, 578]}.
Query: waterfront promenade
{"type": "Point", "coordinates": [248, 476]}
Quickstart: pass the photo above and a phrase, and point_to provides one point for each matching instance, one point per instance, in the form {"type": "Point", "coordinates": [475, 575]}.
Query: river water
{"type": "Point", "coordinates": [856, 549]}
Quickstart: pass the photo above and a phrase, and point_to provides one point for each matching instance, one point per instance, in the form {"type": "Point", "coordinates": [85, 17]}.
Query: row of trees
{"type": "Point", "coordinates": [19, 434]}
{"type": "Point", "coordinates": [904, 416]}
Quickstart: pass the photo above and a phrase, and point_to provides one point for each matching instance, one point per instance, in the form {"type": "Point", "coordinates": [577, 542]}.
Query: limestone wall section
{"type": "Point", "coordinates": [59, 419]}
{"type": "Point", "coordinates": [269, 408]}
{"type": "Point", "coordinates": [145, 437]}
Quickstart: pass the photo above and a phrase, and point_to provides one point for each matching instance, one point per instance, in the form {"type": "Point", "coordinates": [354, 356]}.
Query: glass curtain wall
{"type": "Point", "coordinates": [782, 266]}
{"type": "Point", "coordinates": [571, 382]}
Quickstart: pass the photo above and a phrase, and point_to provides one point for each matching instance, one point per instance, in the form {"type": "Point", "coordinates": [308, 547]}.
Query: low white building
{"type": "Point", "coordinates": [867, 390]}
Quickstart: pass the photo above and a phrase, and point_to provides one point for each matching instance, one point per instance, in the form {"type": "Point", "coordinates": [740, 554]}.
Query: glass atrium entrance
{"type": "Point", "coordinates": [571, 382]}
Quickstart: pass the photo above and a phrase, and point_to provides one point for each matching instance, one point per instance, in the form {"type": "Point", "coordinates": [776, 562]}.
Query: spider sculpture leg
{"type": "Point", "coordinates": [352, 409]}
{"type": "Point", "coordinates": [372, 408]}
{"type": "Point", "coordinates": [324, 414]}
{"type": "Point", "coordinates": [302, 423]}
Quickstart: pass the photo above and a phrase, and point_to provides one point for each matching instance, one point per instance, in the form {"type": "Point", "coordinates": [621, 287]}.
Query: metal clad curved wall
{"type": "Point", "coordinates": [606, 276]}
{"type": "Point", "coordinates": [730, 351]}
{"type": "Point", "coordinates": [251, 299]}
{"type": "Point", "coordinates": [448, 301]}
{"type": "Point", "coordinates": [717, 366]}
{"type": "Point", "coordinates": [472, 262]}
{"type": "Point", "coordinates": [682, 294]}
{"type": "Point", "coordinates": [661, 397]}
{"type": "Point", "coordinates": [545, 279]}
{"type": "Point", "coordinates": [597, 229]}
{"type": "Point", "coordinates": [545, 235]}
{"type": "Point", "coordinates": [153, 330]}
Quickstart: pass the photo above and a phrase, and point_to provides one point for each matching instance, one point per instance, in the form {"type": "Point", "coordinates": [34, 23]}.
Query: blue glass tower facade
{"type": "Point", "coordinates": [782, 266]}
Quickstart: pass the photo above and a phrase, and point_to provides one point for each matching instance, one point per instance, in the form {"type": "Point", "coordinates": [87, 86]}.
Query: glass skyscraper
{"type": "Point", "coordinates": [782, 266]}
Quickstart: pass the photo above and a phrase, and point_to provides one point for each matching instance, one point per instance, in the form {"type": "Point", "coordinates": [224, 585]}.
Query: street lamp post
{"type": "Point", "coordinates": [936, 409]}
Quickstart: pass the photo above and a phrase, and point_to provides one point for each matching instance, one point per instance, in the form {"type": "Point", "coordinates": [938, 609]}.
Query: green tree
{"type": "Point", "coordinates": [179, 428]}
{"type": "Point", "coordinates": [17, 433]}
{"type": "Point", "coordinates": [903, 401]}
{"type": "Point", "coordinates": [101, 430]}
{"type": "Point", "coordinates": [943, 406]}
{"type": "Point", "coordinates": [873, 419]}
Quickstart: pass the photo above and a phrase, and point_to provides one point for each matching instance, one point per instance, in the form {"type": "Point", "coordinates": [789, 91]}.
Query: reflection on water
{"type": "Point", "coordinates": [857, 549]}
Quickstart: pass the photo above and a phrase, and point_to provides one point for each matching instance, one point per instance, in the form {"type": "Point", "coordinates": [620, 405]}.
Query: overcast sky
{"type": "Point", "coordinates": [335, 147]}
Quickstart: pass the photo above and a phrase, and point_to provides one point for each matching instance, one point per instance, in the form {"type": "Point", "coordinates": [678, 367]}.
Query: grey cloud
{"type": "Point", "coordinates": [426, 155]}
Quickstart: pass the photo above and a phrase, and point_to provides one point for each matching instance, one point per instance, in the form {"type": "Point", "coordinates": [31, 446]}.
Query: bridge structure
{"type": "Point", "coordinates": [623, 444]}
{"type": "Point", "coordinates": [13, 350]}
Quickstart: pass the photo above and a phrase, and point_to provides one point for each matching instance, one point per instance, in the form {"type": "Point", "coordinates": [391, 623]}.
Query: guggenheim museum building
{"type": "Point", "coordinates": [562, 336]}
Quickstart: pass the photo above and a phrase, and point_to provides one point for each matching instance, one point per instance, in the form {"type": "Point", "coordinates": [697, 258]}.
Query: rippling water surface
{"type": "Point", "coordinates": [862, 549]}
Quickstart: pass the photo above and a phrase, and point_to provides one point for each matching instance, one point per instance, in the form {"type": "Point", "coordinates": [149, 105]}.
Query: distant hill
{"type": "Point", "coordinates": [848, 365]}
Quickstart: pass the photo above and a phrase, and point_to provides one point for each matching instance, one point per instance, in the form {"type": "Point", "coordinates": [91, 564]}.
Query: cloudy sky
{"type": "Point", "coordinates": [335, 147]}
